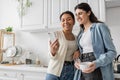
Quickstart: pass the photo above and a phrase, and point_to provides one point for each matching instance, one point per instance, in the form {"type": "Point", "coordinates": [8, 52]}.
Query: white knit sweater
{"type": "Point", "coordinates": [56, 62]}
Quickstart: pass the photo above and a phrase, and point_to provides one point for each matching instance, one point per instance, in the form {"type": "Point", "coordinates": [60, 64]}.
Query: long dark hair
{"type": "Point", "coordinates": [70, 13]}
{"type": "Point", "coordinates": [87, 8]}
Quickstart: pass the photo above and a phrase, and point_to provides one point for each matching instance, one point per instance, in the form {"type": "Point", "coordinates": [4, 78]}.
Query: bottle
{"type": "Point", "coordinates": [37, 60]}
{"type": "Point", "coordinates": [29, 59]}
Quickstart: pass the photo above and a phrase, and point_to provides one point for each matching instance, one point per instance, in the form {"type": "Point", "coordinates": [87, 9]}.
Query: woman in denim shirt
{"type": "Point", "coordinates": [95, 45]}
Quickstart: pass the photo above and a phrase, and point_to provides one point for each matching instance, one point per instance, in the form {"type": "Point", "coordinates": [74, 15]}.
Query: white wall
{"type": "Point", "coordinates": [37, 43]}
{"type": "Point", "coordinates": [113, 21]}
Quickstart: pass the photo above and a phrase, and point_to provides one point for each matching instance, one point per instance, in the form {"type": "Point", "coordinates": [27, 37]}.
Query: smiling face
{"type": "Point", "coordinates": [82, 16]}
{"type": "Point", "coordinates": [67, 22]}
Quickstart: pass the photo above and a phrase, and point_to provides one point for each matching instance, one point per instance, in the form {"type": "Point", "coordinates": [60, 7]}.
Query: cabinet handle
{"type": "Point", "coordinates": [5, 74]}
{"type": "Point", "coordinates": [22, 76]}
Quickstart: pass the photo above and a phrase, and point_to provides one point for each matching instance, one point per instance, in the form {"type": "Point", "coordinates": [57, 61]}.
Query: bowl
{"type": "Point", "coordinates": [84, 65]}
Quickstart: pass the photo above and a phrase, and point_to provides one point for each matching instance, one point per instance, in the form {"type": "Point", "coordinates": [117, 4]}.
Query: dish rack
{"type": "Point", "coordinates": [7, 39]}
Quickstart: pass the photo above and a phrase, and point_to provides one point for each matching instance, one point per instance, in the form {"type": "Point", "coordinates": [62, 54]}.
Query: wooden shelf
{"type": "Point", "coordinates": [4, 45]}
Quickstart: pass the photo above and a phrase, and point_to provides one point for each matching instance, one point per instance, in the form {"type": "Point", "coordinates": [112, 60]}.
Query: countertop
{"type": "Point", "coordinates": [24, 67]}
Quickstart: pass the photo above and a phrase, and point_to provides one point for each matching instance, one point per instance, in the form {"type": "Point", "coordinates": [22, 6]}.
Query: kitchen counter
{"type": "Point", "coordinates": [24, 67]}
{"type": "Point", "coordinates": [33, 68]}
{"type": "Point", "coordinates": [22, 72]}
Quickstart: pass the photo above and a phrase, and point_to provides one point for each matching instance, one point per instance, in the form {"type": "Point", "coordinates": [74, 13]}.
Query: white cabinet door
{"type": "Point", "coordinates": [8, 75]}
{"type": "Point", "coordinates": [56, 7]}
{"type": "Point", "coordinates": [72, 4]}
{"type": "Point", "coordinates": [35, 17]}
{"type": "Point", "coordinates": [98, 8]}
{"type": "Point", "coordinates": [45, 13]}
{"type": "Point", "coordinates": [54, 10]}
{"type": "Point", "coordinates": [31, 76]}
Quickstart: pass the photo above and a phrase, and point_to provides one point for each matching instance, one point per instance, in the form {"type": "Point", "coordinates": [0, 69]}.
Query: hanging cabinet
{"type": "Point", "coordinates": [44, 14]}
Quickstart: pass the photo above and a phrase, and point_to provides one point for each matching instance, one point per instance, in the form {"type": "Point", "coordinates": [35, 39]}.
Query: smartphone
{"type": "Point", "coordinates": [52, 36]}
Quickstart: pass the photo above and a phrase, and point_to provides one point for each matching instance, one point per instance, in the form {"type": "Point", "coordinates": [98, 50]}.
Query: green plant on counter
{"type": "Point", "coordinates": [9, 29]}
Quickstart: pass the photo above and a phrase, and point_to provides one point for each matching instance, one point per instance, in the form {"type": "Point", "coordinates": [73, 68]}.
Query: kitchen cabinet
{"type": "Point", "coordinates": [98, 7]}
{"type": "Point", "coordinates": [21, 75]}
{"type": "Point", "coordinates": [44, 14]}
{"type": "Point", "coordinates": [31, 75]}
{"type": "Point", "coordinates": [8, 75]}
{"type": "Point", "coordinates": [36, 16]}
{"type": "Point", "coordinates": [22, 72]}
{"type": "Point", "coordinates": [55, 8]}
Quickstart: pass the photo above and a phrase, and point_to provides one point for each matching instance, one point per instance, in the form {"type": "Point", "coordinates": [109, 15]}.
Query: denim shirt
{"type": "Point", "coordinates": [104, 50]}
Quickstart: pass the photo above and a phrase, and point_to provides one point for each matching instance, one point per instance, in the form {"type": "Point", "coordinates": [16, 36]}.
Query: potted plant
{"type": "Point", "coordinates": [9, 29]}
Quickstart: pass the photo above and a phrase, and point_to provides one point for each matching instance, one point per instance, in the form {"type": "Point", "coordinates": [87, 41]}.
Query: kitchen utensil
{"type": "Point", "coordinates": [11, 51]}
{"type": "Point", "coordinates": [117, 64]}
{"type": "Point", "coordinates": [18, 51]}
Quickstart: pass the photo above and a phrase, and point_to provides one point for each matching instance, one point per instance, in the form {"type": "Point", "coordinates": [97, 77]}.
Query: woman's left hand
{"type": "Point", "coordinates": [90, 68]}
{"type": "Point", "coordinates": [76, 54]}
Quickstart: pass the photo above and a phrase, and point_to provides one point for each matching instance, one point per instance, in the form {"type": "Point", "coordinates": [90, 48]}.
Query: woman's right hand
{"type": "Point", "coordinates": [54, 46]}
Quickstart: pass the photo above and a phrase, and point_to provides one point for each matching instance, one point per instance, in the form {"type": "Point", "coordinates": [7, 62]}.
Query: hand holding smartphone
{"type": "Point", "coordinates": [52, 36]}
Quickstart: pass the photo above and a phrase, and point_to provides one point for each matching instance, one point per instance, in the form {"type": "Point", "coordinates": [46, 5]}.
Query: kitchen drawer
{"type": "Point", "coordinates": [8, 74]}
{"type": "Point", "coordinates": [5, 78]}
{"type": "Point", "coordinates": [31, 76]}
